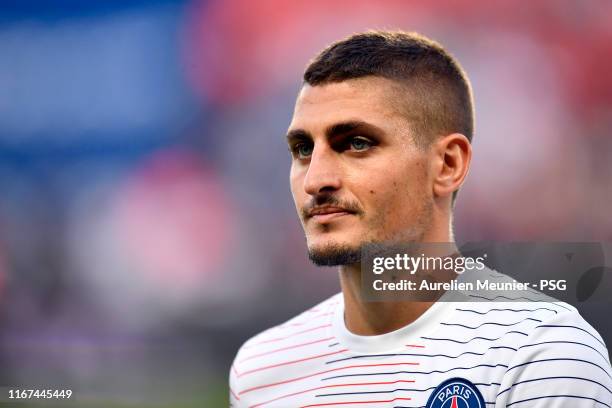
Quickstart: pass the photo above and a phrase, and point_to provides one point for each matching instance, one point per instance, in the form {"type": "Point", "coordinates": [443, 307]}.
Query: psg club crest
{"type": "Point", "coordinates": [456, 393]}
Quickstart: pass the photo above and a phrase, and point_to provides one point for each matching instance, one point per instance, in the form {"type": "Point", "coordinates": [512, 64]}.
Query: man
{"type": "Point", "coordinates": [380, 144]}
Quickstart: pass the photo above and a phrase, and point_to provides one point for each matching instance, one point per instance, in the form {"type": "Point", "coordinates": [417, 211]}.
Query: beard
{"type": "Point", "coordinates": [340, 254]}
{"type": "Point", "coordinates": [334, 255]}
{"type": "Point", "coordinates": [378, 238]}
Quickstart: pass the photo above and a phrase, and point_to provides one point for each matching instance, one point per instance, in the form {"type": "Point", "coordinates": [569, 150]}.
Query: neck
{"type": "Point", "coordinates": [375, 318]}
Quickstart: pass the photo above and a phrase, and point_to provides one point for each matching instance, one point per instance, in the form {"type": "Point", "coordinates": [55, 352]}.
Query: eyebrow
{"type": "Point", "coordinates": [334, 130]}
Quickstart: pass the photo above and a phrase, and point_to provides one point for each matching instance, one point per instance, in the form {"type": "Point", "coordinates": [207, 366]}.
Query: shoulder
{"type": "Point", "coordinates": [560, 358]}
{"type": "Point", "coordinates": [282, 343]}
{"type": "Point", "coordinates": [532, 324]}
{"type": "Point", "coordinates": [312, 319]}
{"type": "Point", "coordinates": [553, 327]}
{"type": "Point", "coordinates": [567, 327]}
{"type": "Point", "coordinates": [525, 312]}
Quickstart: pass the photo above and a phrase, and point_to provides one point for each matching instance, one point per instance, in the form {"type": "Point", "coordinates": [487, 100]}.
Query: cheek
{"type": "Point", "coordinates": [296, 182]}
{"type": "Point", "coordinates": [393, 200]}
{"type": "Point", "coordinates": [380, 202]}
{"type": "Point", "coordinates": [389, 203]}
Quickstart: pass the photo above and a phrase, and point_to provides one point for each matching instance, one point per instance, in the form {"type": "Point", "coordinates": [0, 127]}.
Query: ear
{"type": "Point", "coordinates": [453, 154]}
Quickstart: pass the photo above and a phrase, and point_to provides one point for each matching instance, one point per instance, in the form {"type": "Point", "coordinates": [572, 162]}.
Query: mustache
{"type": "Point", "coordinates": [330, 201]}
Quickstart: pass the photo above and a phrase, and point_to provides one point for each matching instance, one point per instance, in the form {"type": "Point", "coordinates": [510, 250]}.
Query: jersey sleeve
{"type": "Point", "coordinates": [563, 363]}
{"type": "Point", "coordinates": [235, 386]}
{"type": "Point", "coordinates": [234, 398]}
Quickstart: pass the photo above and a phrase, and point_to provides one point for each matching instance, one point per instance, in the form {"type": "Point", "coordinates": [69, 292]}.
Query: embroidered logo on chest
{"type": "Point", "coordinates": [456, 393]}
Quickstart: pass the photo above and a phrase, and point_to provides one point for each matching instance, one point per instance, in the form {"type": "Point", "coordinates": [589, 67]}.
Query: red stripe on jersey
{"type": "Point", "coordinates": [321, 372]}
{"type": "Point", "coordinates": [414, 345]}
{"type": "Point", "coordinates": [248, 346]}
{"type": "Point", "coordinates": [330, 386]}
{"type": "Point", "coordinates": [285, 348]}
{"type": "Point", "coordinates": [355, 402]}
{"type": "Point", "coordinates": [290, 362]}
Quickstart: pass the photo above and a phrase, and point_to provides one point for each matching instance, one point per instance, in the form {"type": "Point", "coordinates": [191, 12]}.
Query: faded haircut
{"type": "Point", "coordinates": [438, 97]}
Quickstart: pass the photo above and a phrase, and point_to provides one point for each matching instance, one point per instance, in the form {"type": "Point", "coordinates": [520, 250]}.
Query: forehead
{"type": "Point", "coordinates": [370, 99]}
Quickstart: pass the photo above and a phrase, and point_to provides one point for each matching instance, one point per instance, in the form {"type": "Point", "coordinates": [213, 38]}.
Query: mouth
{"type": "Point", "coordinates": [328, 213]}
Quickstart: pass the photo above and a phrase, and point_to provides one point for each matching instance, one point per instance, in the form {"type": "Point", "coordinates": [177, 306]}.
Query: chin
{"type": "Point", "coordinates": [334, 253]}
{"type": "Point", "coordinates": [322, 242]}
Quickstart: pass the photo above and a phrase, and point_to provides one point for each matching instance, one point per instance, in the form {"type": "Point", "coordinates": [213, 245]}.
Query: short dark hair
{"type": "Point", "coordinates": [440, 100]}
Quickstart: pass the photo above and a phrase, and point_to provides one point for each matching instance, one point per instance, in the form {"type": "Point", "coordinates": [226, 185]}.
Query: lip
{"type": "Point", "coordinates": [322, 218]}
{"type": "Point", "coordinates": [324, 214]}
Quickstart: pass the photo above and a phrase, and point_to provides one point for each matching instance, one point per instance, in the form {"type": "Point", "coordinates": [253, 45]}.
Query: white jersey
{"type": "Point", "coordinates": [512, 354]}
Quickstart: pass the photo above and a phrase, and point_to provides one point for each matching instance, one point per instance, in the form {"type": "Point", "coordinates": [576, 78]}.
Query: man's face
{"type": "Point", "coordinates": [357, 175]}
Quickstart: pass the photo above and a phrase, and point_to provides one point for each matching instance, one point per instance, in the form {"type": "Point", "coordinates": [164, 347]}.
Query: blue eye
{"type": "Point", "coordinates": [360, 144]}
{"type": "Point", "coordinates": [303, 150]}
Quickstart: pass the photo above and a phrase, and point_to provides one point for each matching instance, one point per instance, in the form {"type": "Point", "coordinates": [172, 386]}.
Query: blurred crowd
{"type": "Point", "coordinates": [146, 224]}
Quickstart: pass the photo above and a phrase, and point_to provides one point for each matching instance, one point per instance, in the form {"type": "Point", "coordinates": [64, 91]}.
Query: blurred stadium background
{"type": "Point", "coordinates": [146, 225]}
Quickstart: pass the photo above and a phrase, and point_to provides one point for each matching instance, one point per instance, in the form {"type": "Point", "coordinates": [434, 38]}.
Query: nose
{"type": "Point", "coordinates": [323, 174]}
